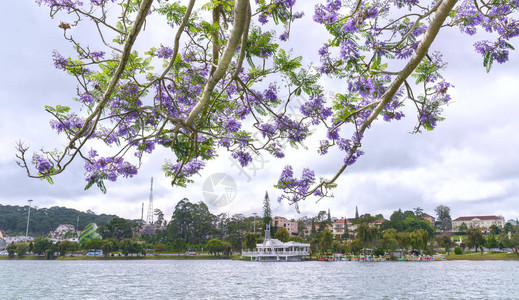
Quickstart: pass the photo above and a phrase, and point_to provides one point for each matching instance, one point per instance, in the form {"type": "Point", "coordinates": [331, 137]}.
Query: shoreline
{"type": "Point", "coordinates": [450, 257]}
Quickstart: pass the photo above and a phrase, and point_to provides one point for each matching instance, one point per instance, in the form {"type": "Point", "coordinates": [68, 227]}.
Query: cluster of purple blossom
{"type": "Point", "coordinates": [371, 87]}
{"type": "Point", "coordinates": [497, 50]}
{"type": "Point", "coordinates": [130, 92]}
{"type": "Point", "coordinates": [97, 54]}
{"type": "Point", "coordinates": [314, 108]}
{"type": "Point", "coordinates": [269, 95]}
{"type": "Point", "coordinates": [276, 149]}
{"type": "Point", "coordinates": [231, 125]}
{"type": "Point", "coordinates": [495, 18]}
{"type": "Point", "coordinates": [184, 169]}
{"type": "Point", "coordinates": [408, 3]}
{"type": "Point", "coordinates": [69, 123]}
{"type": "Point", "coordinates": [100, 2]}
{"type": "Point", "coordinates": [42, 164]}
{"type": "Point", "coordinates": [354, 23]}
{"type": "Point", "coordinates": [107, 135]}
{"type": "Point", "coordinates": [390, 112]}
{"type": "Point", "coordinates": [326, 60]}
{"type": "Point", "coordinates": [179, 99]}
{"type": "Point", "coordinates": [349, 50]}
{"type": "Point", "coordinates": [294, 131]}
{"type": "Point", "coordinates": [164, 52]}
{"type": "Point", "coordinates": [243, 157]}
{"type": "Point", "coordinates": [86, 99]}
{"type": "Point", "coordinates": [146, 146]}
{"type": "Point", "coordinates": [267, 130]}
{"type": "Point", "coordinates": [60, 62]}
{"type": "Point", "coordinates": [62, 4]}
{"type": "Point", "coordinates": [107, 167]}
{"type": "Point", "coordinates": [69, 4]}
{"type": "Point", "coordinates": [430, 113]}
{"type": "Point", "coordinates": [268, 10]}
{"type": "Point", "coordinates": [327, 14]}
{"type": "Point", "coordinates": [297, 187]}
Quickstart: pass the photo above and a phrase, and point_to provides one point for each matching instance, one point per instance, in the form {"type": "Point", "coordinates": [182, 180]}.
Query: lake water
{"type": "Point", "coordinates": [225, 279]}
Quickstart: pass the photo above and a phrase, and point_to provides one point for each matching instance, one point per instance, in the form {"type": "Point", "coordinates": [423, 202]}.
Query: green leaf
{"type": "Point", "coordinates": [488, 59]}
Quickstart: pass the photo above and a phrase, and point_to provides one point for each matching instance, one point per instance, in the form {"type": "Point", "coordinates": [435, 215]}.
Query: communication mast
{"type": "Point", "coordinates": [150, 205]}
{"type": "Point", "coordinates": [142, 213]}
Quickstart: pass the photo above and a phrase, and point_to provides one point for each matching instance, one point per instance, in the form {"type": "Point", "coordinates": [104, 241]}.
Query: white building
{"type": "Point", "coordinates": [478, 222]}
{"type": "Point", "coordinates": [275, 250]}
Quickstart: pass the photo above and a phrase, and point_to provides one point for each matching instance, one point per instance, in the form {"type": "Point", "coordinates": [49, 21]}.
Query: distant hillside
{"type": "Point", "coordinates": [13, 219]}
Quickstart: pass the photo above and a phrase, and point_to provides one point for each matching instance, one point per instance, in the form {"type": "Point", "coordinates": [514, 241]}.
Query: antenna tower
{"type": "Point", "coordinates": [142, 213]}
{"type": "Point", "coordinates": [150, 205]}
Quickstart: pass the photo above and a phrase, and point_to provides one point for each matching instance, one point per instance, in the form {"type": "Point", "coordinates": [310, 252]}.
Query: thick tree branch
{"type": "Point", "coordinates": [240, 18]}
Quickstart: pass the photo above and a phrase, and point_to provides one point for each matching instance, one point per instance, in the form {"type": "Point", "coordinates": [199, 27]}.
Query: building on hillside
{"type": "Point", "coordinates": [429, 218]}
{"type": "Point", "coordinates": [2, 234]}
{"type": "Point", "coordinates": [353, 225]}
{"type": "Point", "coordinates": [479, 222]}
{"type": "Point", "coordinates": [329, 227]}
{"type": "Point", "coordinates": [308, 229]}
{"type": "Point", "coordinates": [290, 226]}
{"type": "Point", "coordinates": [338, 227]}
{"type": "Point", "coordinates": [378, 222]}
{"type": "Point", "coordinates": [63, 231]}
{"type": "Point", "coordinates": [18, 239]}
{"type": "Point", "coordinates": [64, 228]}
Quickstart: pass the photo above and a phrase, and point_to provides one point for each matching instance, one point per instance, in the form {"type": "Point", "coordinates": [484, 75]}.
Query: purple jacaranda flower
{"type": "Point", "coordinates": [42, 164]}
{"type": "Point", "coordinates": [60, 62]}
{"type": "Point", "coordinates": [87, 99]}
{"type": "Point", "coordinates": [231, 125]}
{"type": "Point", "coordinates": [315, 109]}
{"type": "Point", "coordinates": [164, 52]}
{"type": "Point", "coordinates": [243, 157]}
{"type": "Point", "coordinates": [97, 54]}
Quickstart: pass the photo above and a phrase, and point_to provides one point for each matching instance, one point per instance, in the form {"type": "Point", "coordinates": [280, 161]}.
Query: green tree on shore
{"type": "Point", "coordinates": [443, 221]}
{"type": "Point", "coordinates": [251, 240]}
{"type": "Point", "coordinates": [282, 234]}
{"type": "Point", "coordinates": [475, 239]}
{"type": "Point", "coordinates": [445, 241]}
{"type": "Point", "coordinates": [41, 244]}
{"type": "Point", "coordinates": [108, 246]}
{"type": "Point", "coordinates": [66, 246]}
{"type": "Point", "coordinates": [325, 239]}
{"type": "Point", "coordinates": [118, 229]}
{"type": "Point", "coordinates": [215, 247]}
{"type": "Point", "coordinates": [267, 212]}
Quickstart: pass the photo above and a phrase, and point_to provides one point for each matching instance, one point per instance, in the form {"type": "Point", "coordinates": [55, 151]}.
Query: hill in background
{"type": "Point", "coordinates": [13, 219]}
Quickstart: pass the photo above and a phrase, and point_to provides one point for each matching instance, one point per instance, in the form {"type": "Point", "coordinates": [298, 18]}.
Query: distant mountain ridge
{"type": "Point", "coordinates": [13, 219]}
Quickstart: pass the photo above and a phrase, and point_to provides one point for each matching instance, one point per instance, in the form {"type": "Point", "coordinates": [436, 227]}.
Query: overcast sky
{"type": "Point", "coordinates": [468, 163]}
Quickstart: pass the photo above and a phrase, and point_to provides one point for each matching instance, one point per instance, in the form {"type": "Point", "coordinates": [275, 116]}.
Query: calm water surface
{"type": "Point", "coordinates": [215, 279]}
